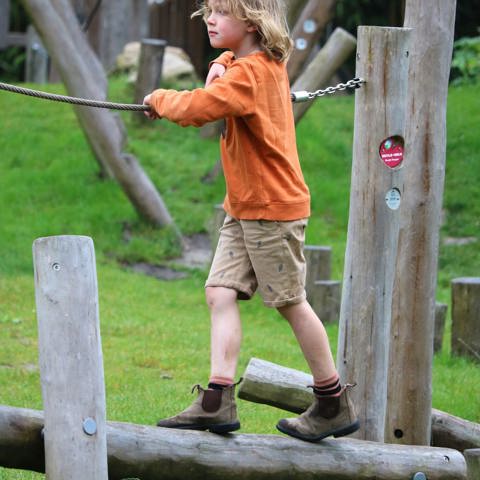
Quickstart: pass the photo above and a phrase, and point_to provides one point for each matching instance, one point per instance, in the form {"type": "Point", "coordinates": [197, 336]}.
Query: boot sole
{"type": "Point", "coordinates": [214, 428]}
{"type": "Point", "coordinates": [338, 432]}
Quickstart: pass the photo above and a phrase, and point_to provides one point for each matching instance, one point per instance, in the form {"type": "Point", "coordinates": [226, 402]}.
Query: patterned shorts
{"type": "Point", "coordinates": [264, 255]}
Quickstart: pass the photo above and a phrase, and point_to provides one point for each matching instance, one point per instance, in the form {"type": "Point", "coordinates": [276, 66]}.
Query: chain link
{"type": "Point", "coordinates": [303, 96]}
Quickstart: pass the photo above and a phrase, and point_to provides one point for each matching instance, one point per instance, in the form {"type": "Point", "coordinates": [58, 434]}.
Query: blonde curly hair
{"type": "Point", "coordinates": [267, 15]}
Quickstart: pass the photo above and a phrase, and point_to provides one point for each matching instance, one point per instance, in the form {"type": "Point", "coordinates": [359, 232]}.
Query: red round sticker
{"type": "Point", "coordinates": [391, 151]}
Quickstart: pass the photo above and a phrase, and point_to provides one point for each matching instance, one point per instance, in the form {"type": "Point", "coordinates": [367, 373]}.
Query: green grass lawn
{"type": "Point", "coordinates": [155, 333]}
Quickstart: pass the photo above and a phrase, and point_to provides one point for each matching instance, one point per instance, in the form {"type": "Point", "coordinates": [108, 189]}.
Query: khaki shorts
{"type": "Point", "coordinates": [263, 255]}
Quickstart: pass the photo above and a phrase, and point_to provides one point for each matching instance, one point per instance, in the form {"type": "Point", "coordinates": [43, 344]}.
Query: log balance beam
{"type": "Point", "coordinates": [151, 453]}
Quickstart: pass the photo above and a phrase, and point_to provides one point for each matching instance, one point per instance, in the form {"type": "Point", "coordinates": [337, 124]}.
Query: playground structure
{"type": "Point", "coordinates": [389, 212]}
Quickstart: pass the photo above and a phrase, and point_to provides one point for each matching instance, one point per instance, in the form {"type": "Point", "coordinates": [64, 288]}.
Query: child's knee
{"type": "Point", "coordinates": [220, 296]}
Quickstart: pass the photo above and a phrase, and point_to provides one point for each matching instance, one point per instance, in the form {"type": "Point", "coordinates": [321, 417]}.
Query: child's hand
{"type": "Point", "coordinates": [216, 71]}
{"type": "Point", "coordinates": [151, 114]}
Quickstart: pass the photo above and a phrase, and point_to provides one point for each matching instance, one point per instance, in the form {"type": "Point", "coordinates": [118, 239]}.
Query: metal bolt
{"type": "Point", "coordinates": [419, 476]}
{"type": "Point", "coordinates": [90, 426]}
{"type": "Point", "coordinates": [56, 267]}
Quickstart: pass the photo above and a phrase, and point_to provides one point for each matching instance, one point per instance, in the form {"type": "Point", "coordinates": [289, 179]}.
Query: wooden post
{"type": "Point", "coordinates": [149, 70]}
{"type": "Point", "coordinates": [466, 317]}
{"type": "Point", "coordinates": [319, 266]}
{"type": "Point", "coordinates": [325, 300]}
{"type": "Point", "coordinates": [440, 319]}
{"type": "Point", "coordinates": [321, 69]}
{"type": "Point", "coordinates": [413, 308]}
{"type": "Point", "coordinates": [294, 8]}
{"type": "Point", "coordinates": [472, 458]}
{"type": "Point", "coordinates": [382, 60]}
{"type": "Point", "coordinates": [4, 22]}
{"type": "Point", "coordinates": [70, 356]}
{"type": "Point", "coordinates": [308, 28]}
{"type": "Point", "coordinates": [151, 453]}
{"type": "Point", "coordinates": [36, 67]}
{"type": "Point", "coordinates": [215, 225]}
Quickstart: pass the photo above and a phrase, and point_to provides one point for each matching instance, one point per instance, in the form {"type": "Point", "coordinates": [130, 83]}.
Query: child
{"type": "Point", "coordinates": [267, 204]}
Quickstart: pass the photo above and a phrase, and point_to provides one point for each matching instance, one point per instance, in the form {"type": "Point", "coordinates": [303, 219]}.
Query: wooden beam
{"type": "Point", "coordinates": [70, 357]}
{"type": "Point", "coordinates": [286, 388]}
{"type": "Point", "coordinates": [375, 199]}
{"type": "Point", "coordinates": [151, 453]}
{"type": "Point", "coordinates": [413, 305]}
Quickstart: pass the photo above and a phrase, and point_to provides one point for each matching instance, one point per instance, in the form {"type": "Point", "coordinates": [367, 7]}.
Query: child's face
{"type": "Point", "coordinates": [225, 30]}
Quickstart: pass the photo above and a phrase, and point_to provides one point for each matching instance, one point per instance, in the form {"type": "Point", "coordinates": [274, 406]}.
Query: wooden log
{"type": "Point", "coordinates": [325, 300]}
{"type": "Point", "coordinates": [466, 317]}
{"type": "Point", "coordinates": [101, 128]}
{"type": "Point", "coordinates": [70, 357]}
{"type": "Point", "coordinates": [151, 452]}
{"type": "Point", "coordinates": [294, 7]}
{"type": "Point", "coordinates": [4, 22]}
{"type": "Point", "coordinates": [413, 306]}
{"type": "Point", "coordinates": [375, 199]}
{"type": "Point", "coordinates": [286, 388]}
{"type": "Point", "coordinates": [472, 458]}
{"type": "Point", "coordinates": [440, 319]}
{"type": "Point", "coordinates": [450, 431]}
{"type": "Point", "coordinates": [319, 266]}
{"type": "Point", "coordinates": [149, 71]}
{"type": "Point", "coordinates": [339, 46]}
{"type": "Point", "coordinates": [306, 33]}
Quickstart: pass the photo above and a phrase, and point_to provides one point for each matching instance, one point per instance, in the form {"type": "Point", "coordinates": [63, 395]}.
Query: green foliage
{"type": "Point", "coordinates": [466, 61]}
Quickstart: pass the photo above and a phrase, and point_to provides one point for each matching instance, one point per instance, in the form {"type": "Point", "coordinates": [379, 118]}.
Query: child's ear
{"type": "Point", "coordinates": [251, 27]}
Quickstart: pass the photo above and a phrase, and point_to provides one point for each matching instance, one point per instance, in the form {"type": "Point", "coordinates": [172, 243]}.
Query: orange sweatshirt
{"type": "Point", "coordinates": [263, 177]}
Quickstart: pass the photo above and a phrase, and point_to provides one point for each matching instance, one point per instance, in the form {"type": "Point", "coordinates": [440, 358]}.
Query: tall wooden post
{"type": "Point", "coordinates": [382, 60]}
{"type": "Point", "coordinates": [4, 22]}
{"type": "Point", "coordinates": [321, 69]}
{"type": "Point", "coordinates": [413, 309]}
{"type": "Point", "coordinates": [70, 356]}
{"type": "Point", "coordinates": [307, 31]}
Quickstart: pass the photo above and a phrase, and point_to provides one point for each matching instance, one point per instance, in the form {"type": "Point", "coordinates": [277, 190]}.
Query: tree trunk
{"type": "Point", "coordinates": [364, 334]}
{"type": "Point", "coordinates": [153, 453]}
{"type": "Point", "coordinates": [322, 68]}
{"type": "Point", "coordinates": [102, 130]}
{"type": "Point", "coordinates": [413, 307]}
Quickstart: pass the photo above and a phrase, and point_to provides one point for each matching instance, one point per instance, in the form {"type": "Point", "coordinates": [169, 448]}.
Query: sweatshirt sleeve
{"type": "Point", "coordinates": [225, 59]}
{"type": "Point", "coordinates": [232, 95]}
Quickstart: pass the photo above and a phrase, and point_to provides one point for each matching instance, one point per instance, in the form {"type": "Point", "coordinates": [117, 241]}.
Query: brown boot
{"type": "Point", "coordinates": [213, 410]}
{"type": "Point", "coordinates": [325, 417]}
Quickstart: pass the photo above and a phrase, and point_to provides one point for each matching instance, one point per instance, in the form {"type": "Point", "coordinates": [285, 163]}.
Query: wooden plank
{"type": "Point", "coordinates": [364, 334]}
{"type": "Point", "coordinates": [70, 357]}
{"type": "Point", "coordinates": [413, 306]}
{"type": "Point", "coordinates": [322, 68]}
{"type": "Point", "coordinates": [150, 453]}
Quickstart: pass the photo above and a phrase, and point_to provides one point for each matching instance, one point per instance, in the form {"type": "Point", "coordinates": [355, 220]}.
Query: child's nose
{"type": "Point", "coordinates": [211, 19]}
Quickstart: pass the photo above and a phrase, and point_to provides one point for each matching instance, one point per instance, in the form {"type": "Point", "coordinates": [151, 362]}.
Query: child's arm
{"type": "Point", "coordinates": [218, 67]}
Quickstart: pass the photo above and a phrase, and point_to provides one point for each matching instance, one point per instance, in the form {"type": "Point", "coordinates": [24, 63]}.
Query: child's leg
{"type": "Point", "coordinates": [226, 334]}
{"type": "Point", "coordinates": [313, 340]}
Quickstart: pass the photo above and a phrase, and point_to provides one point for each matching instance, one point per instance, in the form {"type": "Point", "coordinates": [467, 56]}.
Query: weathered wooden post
{"type": "Point", "coordinates": [36, 65]}
{"type": "Point", "coordinates": [149, 70]}
{"type": "Point", "coordinates": [321, 69]}
{"type": "Point", "coordinates": [4, 22]}
{"type": "Point", "coordinates": [440, 319]}
{"type": "Point", "coordinates": [325, 299]}
{"type": "Point", "coordinates": [377, 186]}
{"type": "Point", "coordinates": [307, 31]}
{"type": "Point", "coordinates": [413, 308]}
{"type": "Point", "coordinates": [472, 458]}
{"type": "Point", "coordinates": [466, 317]}
{"type": "Point", "coordinates": [70, 356]}
{"type": "Point", "coordinates": [319, 264]}
{"type": "Point", "coordinates": [294, 8]}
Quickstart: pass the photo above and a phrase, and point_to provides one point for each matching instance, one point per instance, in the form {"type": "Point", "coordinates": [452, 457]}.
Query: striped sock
{"type": "Point", "coordinates": [219, 383]}
{"type": "Point", "coordinates": [329, 387]}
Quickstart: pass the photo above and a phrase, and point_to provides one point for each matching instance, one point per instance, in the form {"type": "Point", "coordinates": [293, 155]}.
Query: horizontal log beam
{"type": "Point", "coordinates": [151, 453]}
{"type": "Point", "coordinates": [286, 388]}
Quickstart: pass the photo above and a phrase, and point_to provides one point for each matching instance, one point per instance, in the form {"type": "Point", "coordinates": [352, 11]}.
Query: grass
{"type": "Point", "coordinates": [155, 334]}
